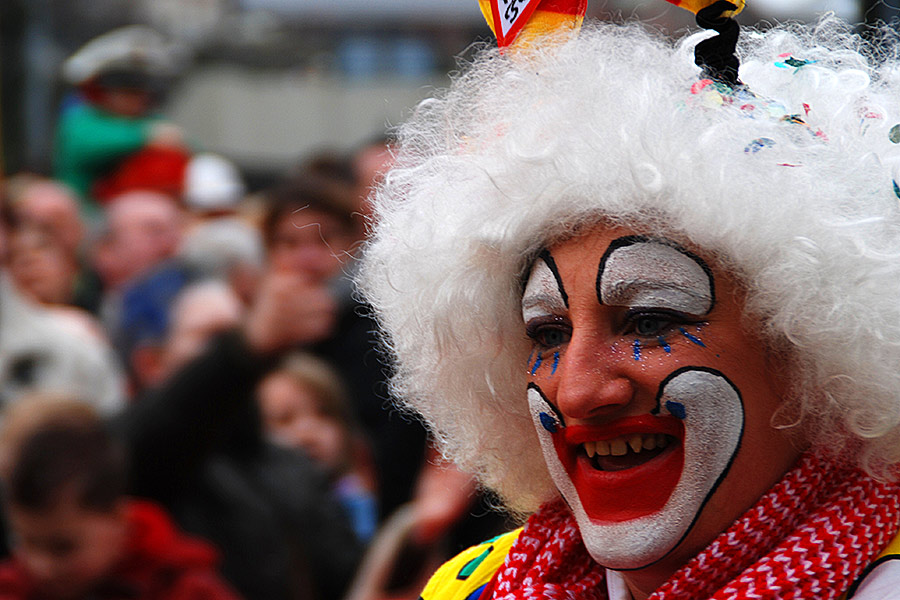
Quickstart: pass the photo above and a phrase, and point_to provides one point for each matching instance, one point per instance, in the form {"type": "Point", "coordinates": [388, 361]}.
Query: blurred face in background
{"type": "Point", "coordinates": [145, 230]}
{"type": "Point", "coordinates": [126, 102]}
{"type": "Point", "coordinates": [67, 549]}
{"type": "Point", "coordinates": [293, 418]}
{"type": "Point", "coordinates": [107, 262]}
{"type": "Point", "coordinates": [198, 314]}
{"type": "Point", "coordinates": [52, 207]}
{"type": "Point", "coordinates": [312, 242]}
{"type": "Point", "coordinates": [40, 266]}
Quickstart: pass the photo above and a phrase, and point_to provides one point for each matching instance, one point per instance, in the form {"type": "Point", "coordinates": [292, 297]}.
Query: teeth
{"type": "Point", "coordinates": [636, 443]}
{"type": "Point", "coordinates": [619, 446]}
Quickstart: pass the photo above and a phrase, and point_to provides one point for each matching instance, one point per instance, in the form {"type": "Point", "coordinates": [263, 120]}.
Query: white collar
{"type": "Point", "coordinates": [615, 586]}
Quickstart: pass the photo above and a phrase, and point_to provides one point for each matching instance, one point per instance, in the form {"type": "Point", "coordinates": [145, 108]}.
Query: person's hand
{"type": "Point", "coordinates": [443, 494]}
{"type": "Point", "coordinates": [289, 309]}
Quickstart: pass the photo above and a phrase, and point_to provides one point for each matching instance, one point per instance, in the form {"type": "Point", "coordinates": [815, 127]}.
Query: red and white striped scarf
{"type": "Point", "coordinates": [810, 536]}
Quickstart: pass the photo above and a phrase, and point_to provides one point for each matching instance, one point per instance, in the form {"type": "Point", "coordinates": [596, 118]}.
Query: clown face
{"type": "Point", "coordinates": [651, 398]}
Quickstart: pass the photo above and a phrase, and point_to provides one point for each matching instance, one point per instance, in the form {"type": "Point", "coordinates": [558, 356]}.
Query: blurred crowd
{"type": "Point", "coordinates": [193, 401]}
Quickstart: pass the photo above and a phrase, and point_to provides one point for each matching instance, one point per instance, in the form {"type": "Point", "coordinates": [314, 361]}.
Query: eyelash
{"type": "Point", "coordinates": [537, 328]}
{"type": "Point", "coordinates": [669, 318]}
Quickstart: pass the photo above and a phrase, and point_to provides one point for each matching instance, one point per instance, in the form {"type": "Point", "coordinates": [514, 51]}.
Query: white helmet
{"type": "Point", "coordinates": [135, 48]}
{"type": "Point", "coordinates": [212, 182]}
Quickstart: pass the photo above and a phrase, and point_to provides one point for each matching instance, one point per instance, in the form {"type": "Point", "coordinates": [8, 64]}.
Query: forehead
{"type": "Point", "coordinates": [607, 245]}
{"type": "Point", "coordinates": [308, 221]}
{"type": "Point", "coordinates": [617, 267]}
{"type": "Point", "coordinates": [603, 238]}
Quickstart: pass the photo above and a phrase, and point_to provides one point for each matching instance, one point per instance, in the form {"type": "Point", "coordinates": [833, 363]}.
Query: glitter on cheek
{"type": "Point", "coordinates": [637, 349]}
{"type": "Point", "coordinates": [692, 338]}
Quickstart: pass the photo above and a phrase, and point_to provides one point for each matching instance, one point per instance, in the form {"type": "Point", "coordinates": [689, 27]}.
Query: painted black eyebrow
{"type": "Point", "coordinates": [559, 415]}
{"type": "Point", "coordinates": [545, 256]}
{"type": "Point", "coordinates": [630, 240]}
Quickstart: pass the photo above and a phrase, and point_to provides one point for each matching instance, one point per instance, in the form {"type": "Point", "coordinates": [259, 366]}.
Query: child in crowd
{"type": "Point", "coordinates": [304, 406]}
{"type": "Point", "coordinates": [75, 534]}
{"type": "Point", "coordinates": [110, 138]}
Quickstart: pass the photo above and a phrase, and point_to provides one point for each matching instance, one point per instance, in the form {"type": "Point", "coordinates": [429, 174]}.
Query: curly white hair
{"type": "Point", "coordinates": [789, 187]}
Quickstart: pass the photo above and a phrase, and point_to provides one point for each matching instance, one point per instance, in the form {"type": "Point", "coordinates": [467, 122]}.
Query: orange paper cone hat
{"type": "Point", "coordinates": [522, 20]}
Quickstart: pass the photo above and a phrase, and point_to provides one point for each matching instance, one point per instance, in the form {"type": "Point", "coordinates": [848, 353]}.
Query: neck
{"type": "Point", "coordinates": [636, 594]}
{"type": "Point", "coordinates": [643, 582]}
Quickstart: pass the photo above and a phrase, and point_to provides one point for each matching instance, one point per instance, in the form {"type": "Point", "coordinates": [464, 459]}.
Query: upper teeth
{"type": "Point", "coordinates": [620, 445]}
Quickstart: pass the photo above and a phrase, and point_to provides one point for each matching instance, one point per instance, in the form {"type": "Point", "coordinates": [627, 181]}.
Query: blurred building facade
{"type": "Point", "coordinates": [271, 80]}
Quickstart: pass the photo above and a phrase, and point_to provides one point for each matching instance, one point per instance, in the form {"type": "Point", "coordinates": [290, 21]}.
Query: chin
{"type": "Point", "coordinates": [634, 508]}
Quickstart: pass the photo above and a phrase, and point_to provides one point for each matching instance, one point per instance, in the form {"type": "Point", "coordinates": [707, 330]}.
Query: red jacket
{"type": "Point", "coordinates": [160, 563]}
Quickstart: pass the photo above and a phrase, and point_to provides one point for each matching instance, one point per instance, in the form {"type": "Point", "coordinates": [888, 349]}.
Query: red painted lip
{"type": "Point", "coordinates": [616, 496]}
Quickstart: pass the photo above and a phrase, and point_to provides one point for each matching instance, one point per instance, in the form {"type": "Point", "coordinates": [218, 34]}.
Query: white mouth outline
{"type": "Point", "coordinates": [645, 537]}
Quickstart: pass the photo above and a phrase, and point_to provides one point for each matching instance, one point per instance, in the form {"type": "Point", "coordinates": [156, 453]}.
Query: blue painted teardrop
{"type": "Point", "coordinates": [676, 409]}
{"type": "Point", "coordinates": [548, 422]}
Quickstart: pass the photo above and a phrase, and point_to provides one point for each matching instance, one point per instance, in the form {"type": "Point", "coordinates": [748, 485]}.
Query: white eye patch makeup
{"type": "Point", "coordinates": [544, 292]}
{"type": "Point", "coordinates": [671, 488]}
{"type": "Point", "coordinates": [640, 271]}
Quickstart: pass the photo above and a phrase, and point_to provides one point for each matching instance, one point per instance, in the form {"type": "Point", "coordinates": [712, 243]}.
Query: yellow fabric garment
{"type": "Point", "coordinates": [469, 570]}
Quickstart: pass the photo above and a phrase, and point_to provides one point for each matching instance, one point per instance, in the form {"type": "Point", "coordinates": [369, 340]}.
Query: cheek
{"type": "Point", "coordinates": [334, 441]}
{"type": "Point", "coordinates": [101, 548]}
{"type": "Point", "coordinates": [280, 257]}
{"type": "Point", "coordinates": [753, 369]}
{"type": "Point", "coordinates": [680, 344]}
{"type": "Point", "coordinates": [543, 364]}
{"type": "Point", "coordinates": [643, 367]}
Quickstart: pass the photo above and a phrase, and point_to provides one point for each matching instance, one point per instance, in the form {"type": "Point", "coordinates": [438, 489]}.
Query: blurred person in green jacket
{"type": "Point", "coordinates": [110, 138]}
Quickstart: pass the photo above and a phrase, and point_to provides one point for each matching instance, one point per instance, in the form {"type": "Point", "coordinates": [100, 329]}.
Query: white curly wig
{"type": "Point", "coordinates": [614, 125]}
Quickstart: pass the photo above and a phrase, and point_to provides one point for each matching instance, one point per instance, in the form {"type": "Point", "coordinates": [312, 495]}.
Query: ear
{"type": "Point", "coordinates": [147, 365]}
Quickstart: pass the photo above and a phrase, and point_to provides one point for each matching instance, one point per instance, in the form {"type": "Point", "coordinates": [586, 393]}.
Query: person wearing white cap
{"type": "Point", "coordinates": [120, 77]}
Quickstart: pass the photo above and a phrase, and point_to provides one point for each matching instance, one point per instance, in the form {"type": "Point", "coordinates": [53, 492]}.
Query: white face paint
{"type": "Point", "coordinates": [633, 515]}
{"type": "Point", "coordinates": [713, 425]}
{"type": "Point", "coordinates": [542, 296]}
{"type": "Point", "coordinates": [654, 274]}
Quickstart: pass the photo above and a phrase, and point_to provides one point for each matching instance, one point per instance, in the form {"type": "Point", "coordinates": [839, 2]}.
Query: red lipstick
{"type": "Point", "coordinates": [631, 492]}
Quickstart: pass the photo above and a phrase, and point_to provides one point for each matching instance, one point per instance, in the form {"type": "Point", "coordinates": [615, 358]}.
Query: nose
{"type": "Point", "coordinates": [592, 383]}
{"type": "Point", "coordinates": [304, 433]}
{"type": "Point", "coordinates": [316, 260]}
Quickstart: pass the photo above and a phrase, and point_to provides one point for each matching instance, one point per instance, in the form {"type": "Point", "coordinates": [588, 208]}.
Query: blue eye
{"type": "Point", "coordinates": [651, 325]}
{"type": "Point", "coordinates": [552, 337]}
{"type": "Point", "coordinates": [549, 333]}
